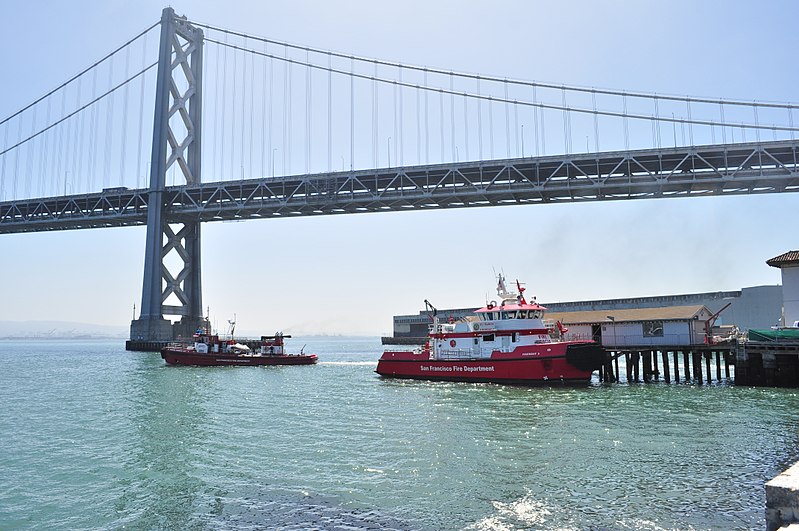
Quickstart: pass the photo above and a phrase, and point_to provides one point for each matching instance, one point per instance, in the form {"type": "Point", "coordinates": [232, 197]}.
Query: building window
{"type": "Point", "coordinates": [653, 328]}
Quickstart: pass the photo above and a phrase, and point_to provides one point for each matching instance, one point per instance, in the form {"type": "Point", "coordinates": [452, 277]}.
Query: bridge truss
{"type": "Point", "coordinates": [691, 172]}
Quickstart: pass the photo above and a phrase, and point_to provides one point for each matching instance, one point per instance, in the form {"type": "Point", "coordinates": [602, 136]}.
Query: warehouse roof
{"type": "Point", "coordinates": [667, 313]}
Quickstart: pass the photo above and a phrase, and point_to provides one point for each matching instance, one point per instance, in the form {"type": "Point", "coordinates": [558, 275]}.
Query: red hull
{"type": "Point", "coordinates": [569, 363]}
{"type": "Point", "coordinates": [182, 357]}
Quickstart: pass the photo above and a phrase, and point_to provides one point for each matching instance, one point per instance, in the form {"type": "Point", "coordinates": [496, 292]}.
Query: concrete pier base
{"type": "Point", "coordinates": [782, 500]}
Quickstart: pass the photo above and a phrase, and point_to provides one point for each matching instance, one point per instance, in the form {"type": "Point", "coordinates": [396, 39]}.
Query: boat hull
{"type": "Point", "coordinates": [182, 357]}
{"type": "Point", "coordinates": [569, 364]}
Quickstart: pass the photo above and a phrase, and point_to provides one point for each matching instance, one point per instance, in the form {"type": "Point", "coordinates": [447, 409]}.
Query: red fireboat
{"type": "Point", "coordinates": [209, 349]}
{"type": "Point", "coordinates": [509, 343]}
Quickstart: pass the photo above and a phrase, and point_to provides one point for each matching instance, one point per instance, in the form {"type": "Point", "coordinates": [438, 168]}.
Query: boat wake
{"type": "Point", "coordinates": [530, 513]}
{"type": "Point", "coordinates": [524, 513]}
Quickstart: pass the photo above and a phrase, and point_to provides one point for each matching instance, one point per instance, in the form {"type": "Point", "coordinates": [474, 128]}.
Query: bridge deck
{"type": "Point", "coordinates": [734, 169]}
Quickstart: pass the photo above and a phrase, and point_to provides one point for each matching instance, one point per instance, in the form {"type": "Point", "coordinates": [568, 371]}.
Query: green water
{"type": "Point", "coordinates": [93, 437]}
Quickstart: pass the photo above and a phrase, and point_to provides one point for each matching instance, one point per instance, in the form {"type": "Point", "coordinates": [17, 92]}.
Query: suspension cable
{"type": "Point", "coordinates": [572, 88]}
{"type": "Point", "coordinates": [76, 76]}
{"type": "Point", "coordinates": [76, 111]}
{"type": "Point", "coordinates": [539, 105]}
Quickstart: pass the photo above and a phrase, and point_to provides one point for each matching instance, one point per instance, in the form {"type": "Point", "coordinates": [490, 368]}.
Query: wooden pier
{"type": "Point", "coordinates": [698, 364]}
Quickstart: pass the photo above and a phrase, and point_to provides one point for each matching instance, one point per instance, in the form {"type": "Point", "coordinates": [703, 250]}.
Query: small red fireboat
{"type": "Point", "coordinates": [209, 349]}
{"type": "Point", "coordinates": [509, 342]}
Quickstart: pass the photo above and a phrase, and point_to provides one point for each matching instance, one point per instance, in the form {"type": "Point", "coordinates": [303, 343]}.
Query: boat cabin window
{"type": "Point", "coordinates": [488, 337]}
{"type": "Point", "coordinates": [522, 314]}
{"type": "Point", "coordinates": [512, 314]}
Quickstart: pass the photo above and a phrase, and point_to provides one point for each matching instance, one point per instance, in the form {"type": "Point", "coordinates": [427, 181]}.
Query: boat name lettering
{"type": "Point", "coordinates": [484, 326]}
{"type": "Point", "coordinates": [456, 368]}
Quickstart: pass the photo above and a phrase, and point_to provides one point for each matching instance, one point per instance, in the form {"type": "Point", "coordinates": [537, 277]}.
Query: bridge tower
{"type": "Point", "coordinates": [177, 128]}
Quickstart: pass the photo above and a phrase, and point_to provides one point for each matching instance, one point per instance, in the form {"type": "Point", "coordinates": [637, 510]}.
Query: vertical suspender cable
{"type": "Point", "coordinates": [626, 125]}
{"type": "Point", "coordinates": [3, 163]}
{"type": "Point", "coordinates": [516, 127]}
{"type": "Point", "coordinates": [308, 95]}
{"type": "Point", "coordinates": [243, 105]}
{"type": "Point", "coordinates": [329, 112]}
{"type": "Point", "coordinates": [125, 94]}
{"type": "Point", "coordinates": [441, 120]}
{"type": "Point", "coordinates": [290, 123]}
{"type": "Point", "coordinates": [271, 153]}
{"type": "Point", "coordinates": [452, 114]}
{"type": "Point", "coordinates": [266, 96]}
{"type": "Point", "coordinates": [81, 151]}
{"type": "Point", "coordinates": [657, 122]}
{"type": "Point", "coordinates": [109, 126]}
{"type": "Point", "coordinates": [44, 170]}
{"type": "Point", "coordinates": [29, 151]}
{"type": "Point", "coordinates": [507, 119]}
{"type": "Point", "coordinates": [596, 122]}
{"type": "Point", "coordinates": [479, 122]}
{"type": "Point", "coordinates": [466, 126]}
{"type": "Point", "coordinates": [61, 139]}
{"type": "Point", "coordinates": [401, 117]}
{"type": "Point", "coordinates": [223, 114]}
{"type": "Point", "coordinates": [543, 134]}
{"type": "Point", "coordinates": [286, 105]}
{"type": "Point", "coordinates": [76, 149]}
{"type": "Point", "coordinates": [16, 159]}
{"type": "Point", "coordinates": [374, 119]}
{"type": "Point", "coordinates": [426, 122]}
{"type": "Point", "coordinates": [352, 114]}
{"type": "Point", "coordinates": [490, 127]}
{"type": "Point", "coordinates": [252, 111]}
{"type": "Point", "coordinates": [141, 110]}
{"type": "Point", "coordinates": [396, 128]}
{"type": "Point", "coordinates": [757, 122]}
{"type": "Point", "coordinates": [232, 174]}
{"type": "Point", "coordinates": [535, 120]}
{"type": "Point", "coordinates": [565, 124]}
{"type": "Point", "coordinates": [418, 124]}
{"type": "Point", "coordinates": [723, 123]}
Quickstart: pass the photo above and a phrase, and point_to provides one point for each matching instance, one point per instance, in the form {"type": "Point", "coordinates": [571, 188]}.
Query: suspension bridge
{"type": "Point", "coordinates": [248, 127]}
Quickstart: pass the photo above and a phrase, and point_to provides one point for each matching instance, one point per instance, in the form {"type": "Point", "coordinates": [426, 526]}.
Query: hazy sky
{"type": "Point", "coordinates": [350, 274]}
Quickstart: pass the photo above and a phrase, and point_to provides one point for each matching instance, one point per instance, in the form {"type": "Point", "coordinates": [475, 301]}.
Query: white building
{"type": "Point", "coordinates": [667, 326]}
{"type": "Point", "coordinates": [789, 264]}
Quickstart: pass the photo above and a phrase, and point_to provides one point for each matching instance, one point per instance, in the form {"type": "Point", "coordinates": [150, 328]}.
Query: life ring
{"type": "Point", "coordinates": [451, 342]}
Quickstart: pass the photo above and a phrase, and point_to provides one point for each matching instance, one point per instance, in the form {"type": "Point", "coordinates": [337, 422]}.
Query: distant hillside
{"type": "Point", "coordinates": [59, 330]}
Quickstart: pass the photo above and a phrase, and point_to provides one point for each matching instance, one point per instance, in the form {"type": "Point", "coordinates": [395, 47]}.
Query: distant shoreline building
{"type": "Point", "coordinates": [753, 307]}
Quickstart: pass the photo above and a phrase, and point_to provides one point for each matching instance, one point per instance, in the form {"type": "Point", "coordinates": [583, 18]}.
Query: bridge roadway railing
{"type": "Point", "coordinates": [733, 169]}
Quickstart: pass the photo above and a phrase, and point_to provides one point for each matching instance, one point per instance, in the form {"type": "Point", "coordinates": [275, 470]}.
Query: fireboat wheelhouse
{"type": "Point", "coordinates": [509, 342]}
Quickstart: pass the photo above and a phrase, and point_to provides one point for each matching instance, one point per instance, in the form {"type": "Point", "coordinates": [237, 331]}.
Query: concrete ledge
{"type": "Point", "coordinates": [782, 500]}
